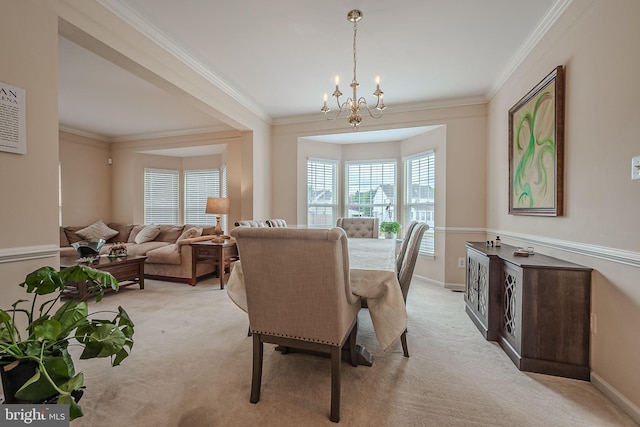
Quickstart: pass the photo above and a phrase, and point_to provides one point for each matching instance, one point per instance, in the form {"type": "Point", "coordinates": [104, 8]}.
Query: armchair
{"type": "Point", "coordinates": [299, 296]}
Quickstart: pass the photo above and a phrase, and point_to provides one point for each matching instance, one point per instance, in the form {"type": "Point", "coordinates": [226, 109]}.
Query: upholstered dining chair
{"type": "Point", "coordinates": [359, 227]}
{"type": "Point", "coordinates": [405, 244]}
{"type": "Point", "coordinates": [405, 273]}
{"type": "Point", "coordinates": [276, 222]}
{"type": "Point", "coordinates": [299, 296]}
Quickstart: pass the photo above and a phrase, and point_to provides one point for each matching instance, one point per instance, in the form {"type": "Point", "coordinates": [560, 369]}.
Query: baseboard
{"type": "Point", "coordinates": [457, 287]}
{"type": "Point", "coordinates": [616, 397]}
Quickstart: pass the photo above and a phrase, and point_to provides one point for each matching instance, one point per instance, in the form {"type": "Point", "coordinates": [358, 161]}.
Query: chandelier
{"type": "Point", "coordinates": [352, 106]}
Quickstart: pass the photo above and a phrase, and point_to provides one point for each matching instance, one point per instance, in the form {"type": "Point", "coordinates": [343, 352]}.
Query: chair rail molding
{"type": "Point", "coordinates": [620, 256]}
{"type": "Point", "coordinates": [28, 252]}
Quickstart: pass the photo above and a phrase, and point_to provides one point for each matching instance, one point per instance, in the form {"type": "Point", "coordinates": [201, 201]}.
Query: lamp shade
{"type": "Point", "coordinates": [217, 205]}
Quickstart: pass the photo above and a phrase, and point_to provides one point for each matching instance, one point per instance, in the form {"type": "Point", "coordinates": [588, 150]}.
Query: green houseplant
{"type": "Point", "coordinates": [389, 228]}
{"type": "Point", "coordinates": [52, 328]}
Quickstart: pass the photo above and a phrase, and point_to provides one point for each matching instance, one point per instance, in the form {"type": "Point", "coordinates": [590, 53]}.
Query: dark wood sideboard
{"type": "Point", "coordinates": [537, 308]}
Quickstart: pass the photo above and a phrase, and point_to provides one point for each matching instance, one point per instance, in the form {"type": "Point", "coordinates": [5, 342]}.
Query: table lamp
{"type": "Point", "coordinates": [218, 206]}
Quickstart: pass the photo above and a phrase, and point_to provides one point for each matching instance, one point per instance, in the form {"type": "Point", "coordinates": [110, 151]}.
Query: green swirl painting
{"type": "Point", "coordinates": [536, 127]}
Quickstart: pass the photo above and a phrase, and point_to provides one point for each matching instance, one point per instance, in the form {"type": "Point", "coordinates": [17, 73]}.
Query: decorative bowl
{"type": "Point", "coordinates": [86, 248]}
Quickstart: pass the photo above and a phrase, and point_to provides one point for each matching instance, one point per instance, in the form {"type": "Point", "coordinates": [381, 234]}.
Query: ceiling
{"type": "Point", "coordinates": [279, 57]}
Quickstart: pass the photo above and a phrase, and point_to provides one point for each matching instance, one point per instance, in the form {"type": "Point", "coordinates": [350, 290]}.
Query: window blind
{"type": "Point", "coordinates": [198, 186]}
{"type": "Point", "coordinates": [371, 190]}
{"type": "Point", "coordinates": [420, 195]}
{"type": "Point", "coordinates": [322, 200]}
{"type": "Point", "coordinates": [161, 196]}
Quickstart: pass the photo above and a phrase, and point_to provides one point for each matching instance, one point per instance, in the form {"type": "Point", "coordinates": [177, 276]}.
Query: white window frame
{"type": "Point", "coordinates": [199, 184]}
{"type": "Point", "coordinates": [161, 196]}
{"type": "Point", "coordinates": [329, 181]}
{"type": "Point", "coordinates": [384, 205]}
{"type": "Point", "coordinates": [419, 203]}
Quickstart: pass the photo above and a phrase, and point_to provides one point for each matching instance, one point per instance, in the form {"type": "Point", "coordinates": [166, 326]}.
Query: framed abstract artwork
{"type": "Point", "coordinates": [536, 149]}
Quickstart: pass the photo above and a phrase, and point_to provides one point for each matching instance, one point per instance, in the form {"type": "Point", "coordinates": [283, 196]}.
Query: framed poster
{"type": "Point", "coordinates": [13, 138]}
{"type": "Point", "coordinates": [536, 149]}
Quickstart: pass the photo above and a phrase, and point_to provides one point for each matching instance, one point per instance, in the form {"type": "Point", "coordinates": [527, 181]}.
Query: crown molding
{"type": "Point", "coordinates": [528, 45]}
{"type": "Point", "coordinates": [172, 133]}
{"type": "Point", "coordinates": [128, 15]}
{"type": "Point", "coordinates": [79, 132]}
{"type": "Point", "coordinates": [143, 136]}
{"type": "Point", "coordinates": [399, 108]}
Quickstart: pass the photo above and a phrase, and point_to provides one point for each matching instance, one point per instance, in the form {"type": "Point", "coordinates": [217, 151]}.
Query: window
{"type": "Point", "coordinates": [322, 200]}
{"type": "Point", "coordinates": [161, 197]}
{"type": "Point", "coordinates": [371, 190]}
{"type": "Point", "coordinates": [198, 185]}
{"type": "Point", "coordinates": [420, 195]}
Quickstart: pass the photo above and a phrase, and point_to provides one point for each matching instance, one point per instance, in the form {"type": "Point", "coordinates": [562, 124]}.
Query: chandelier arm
{"type": "Point", "coordinates": [363, 102]}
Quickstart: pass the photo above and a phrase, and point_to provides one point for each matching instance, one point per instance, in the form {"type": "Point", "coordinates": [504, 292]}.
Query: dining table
{"type": "Point", "coordinates": [372, 276]}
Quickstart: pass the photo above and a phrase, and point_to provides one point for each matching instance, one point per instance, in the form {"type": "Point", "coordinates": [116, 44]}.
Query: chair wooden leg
{"type": "Point", "coordinates": [336, 359]}
{"type": "Point", "coordinates": [353, 355]}
{"type": "Point", "coordinates": [256, 379]}
{"type": "Point", "coordinates": [403, 339]}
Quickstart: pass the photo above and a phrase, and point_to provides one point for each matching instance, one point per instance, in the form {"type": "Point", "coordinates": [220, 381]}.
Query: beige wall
{"type": "Point", "coordinates": [29, 182]}
{"type": "Point", "coordinates": [130, 160]}
{"type": "Point", "coordinates": [86, 180]}
{"type": "Point", "coordinates": [596, 42]}
{"type": "Point", "coordinates": [460, 144]}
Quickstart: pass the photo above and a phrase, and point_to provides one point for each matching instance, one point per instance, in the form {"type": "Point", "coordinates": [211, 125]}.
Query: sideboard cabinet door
{"type": "Point", "coordinates": [481, 297]}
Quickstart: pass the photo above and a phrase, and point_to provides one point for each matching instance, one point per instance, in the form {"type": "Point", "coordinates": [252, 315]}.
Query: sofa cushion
{"type": "Point", "coordinates": [96, 231]}
{"type": "Point", "coordinates": [123, 232]}
{"type": "Point", "coordinates": [147, 234]}
{"type": "Point", "coordinates": [189, 233]}
{"type": "Point", "coordinates": [136, 249]}
{"type": "Point", "coordinates": [72, 237]}
{"type": "Point", "coordinates": [68, 251]}
{"type": "Point", "coordinates": [206, 229]}
{"type": "Point", "coordinates": [169, 233]}
{"type": "Point", "coordinates": [165, 255]}
{"type": "Point", "coordinates": [64, 242]}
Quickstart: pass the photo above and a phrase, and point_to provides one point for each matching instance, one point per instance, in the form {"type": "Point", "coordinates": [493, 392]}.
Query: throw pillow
{"type": "Point", "coordinates": [96, 231]}
{"type": "Point", "coordinates": [191, 232]}
{"type": "Point", "coordinates": [148, 233]}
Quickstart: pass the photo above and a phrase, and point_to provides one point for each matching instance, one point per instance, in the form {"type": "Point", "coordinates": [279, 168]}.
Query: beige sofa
{"type": "Point", "coordinates": [168, 255]}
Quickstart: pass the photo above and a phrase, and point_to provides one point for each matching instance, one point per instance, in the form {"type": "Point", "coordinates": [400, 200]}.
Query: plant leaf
{"type": "Point", "coordinates": [48, 330]}
{"type": "Point", "coordinates": [42, 281]}
{"type": "Point", "coordinates": [36, 389]}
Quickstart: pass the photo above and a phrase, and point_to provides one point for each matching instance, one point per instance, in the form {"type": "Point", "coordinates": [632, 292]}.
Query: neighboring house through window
{"type": "Point", "coordinates": [371, 190]}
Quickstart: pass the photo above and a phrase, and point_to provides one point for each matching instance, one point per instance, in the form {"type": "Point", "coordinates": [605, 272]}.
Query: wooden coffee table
{"type": "Point", "coordinates": [127, 270]}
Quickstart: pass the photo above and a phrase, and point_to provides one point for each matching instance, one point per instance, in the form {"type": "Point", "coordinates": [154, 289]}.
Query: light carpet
{"type": "Point", "coordinates": [191, 367]}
